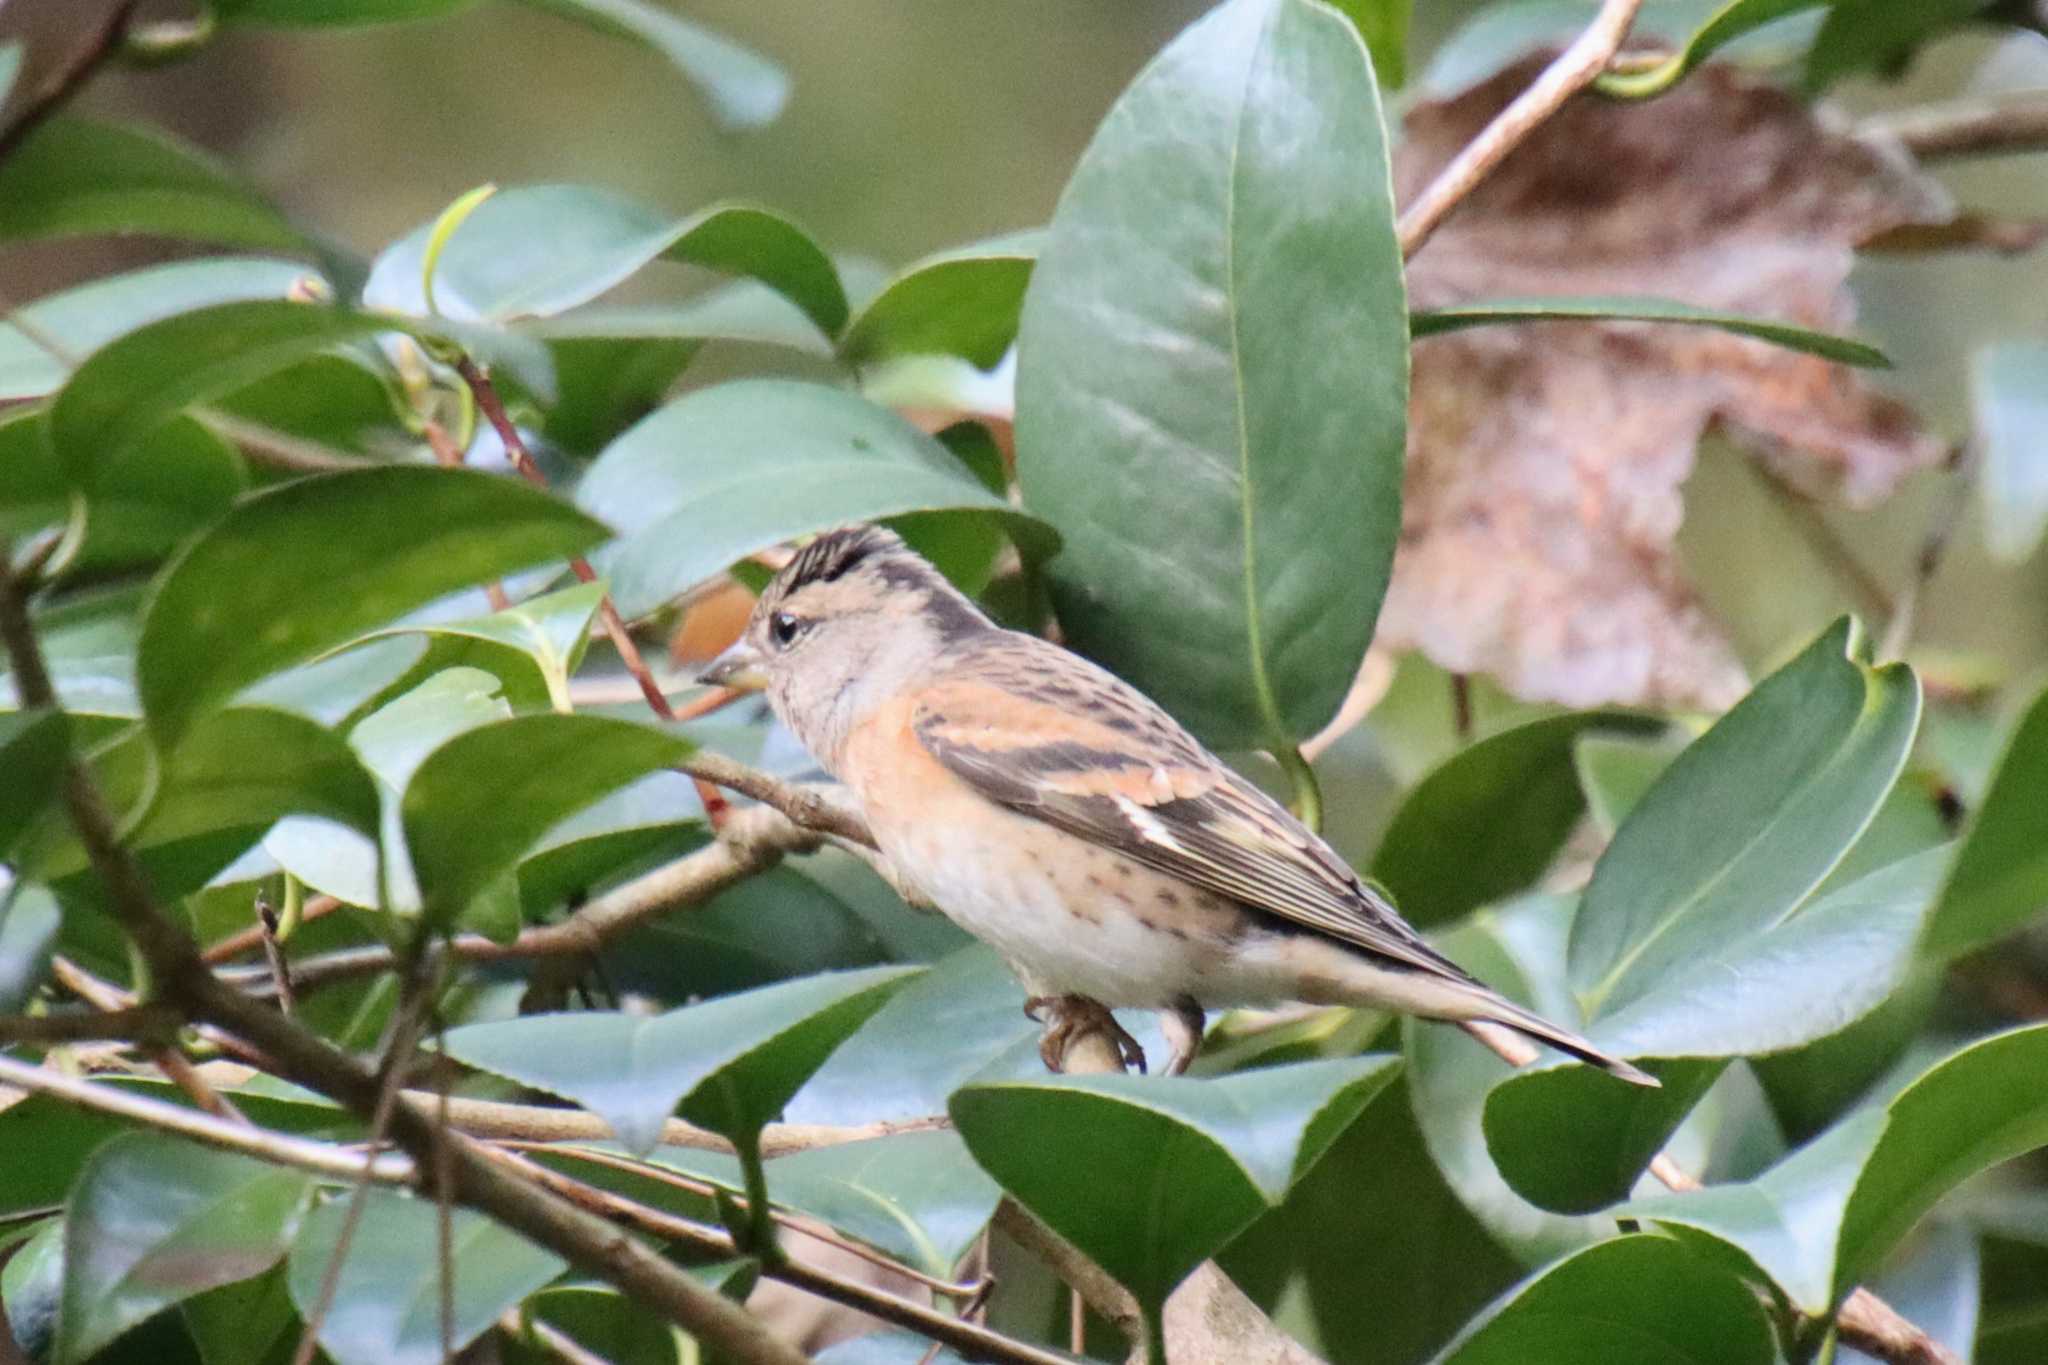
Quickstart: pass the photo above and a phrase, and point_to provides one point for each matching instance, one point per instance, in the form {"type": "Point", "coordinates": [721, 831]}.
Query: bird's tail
{"type": "Point", "coordinates": [1506, 1025]}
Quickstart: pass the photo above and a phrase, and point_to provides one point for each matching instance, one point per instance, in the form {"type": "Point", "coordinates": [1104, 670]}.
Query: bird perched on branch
{"type": "Point", "coordinates": [1054, 812]}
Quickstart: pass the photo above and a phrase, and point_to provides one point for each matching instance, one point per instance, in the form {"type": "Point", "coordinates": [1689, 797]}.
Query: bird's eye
{"type": "Point", "coordinates": [783, 628]}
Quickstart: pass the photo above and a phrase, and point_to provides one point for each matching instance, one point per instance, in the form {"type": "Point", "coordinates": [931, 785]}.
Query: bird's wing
{"type": "Point", "coordinates": [1046, 734]}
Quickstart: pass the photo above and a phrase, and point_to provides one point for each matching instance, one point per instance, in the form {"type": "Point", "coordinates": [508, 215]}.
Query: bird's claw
{"type": "Point", "coordinates": [1069, 1016]}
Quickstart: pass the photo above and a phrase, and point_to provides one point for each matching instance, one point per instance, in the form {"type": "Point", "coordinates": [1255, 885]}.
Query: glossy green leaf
{"type": "Point", "coordinates": [1489, 821]}
{"type": "Point", "coordinates": [1374, 1243]}
{"type": "Point", "coordinates": [1695, 939]}
{"type": "Point", "coordinates": [1746, 822]}
{"type": "Point", "coordinates": [133, 385]}
{"type": "Point", "coordinates": [247, 1323]}
{"type": "Point", "coordinates": [74, 177]}
{"type": "Point", "coordinates": [1677, 1308]}
{"type": "Point", "coordinates": [1824, 1217]}
{"type": "Point", "coordinates": [603, 1321]}
{"type": "Point", "coordinates": [744, 311]}
{"type": "Point", "coordinates": [31, 1288]}
{"type": "Point", "coordinates": [1615, 773]}
{"type": "Point", "coordinates": [1175, 1168]}
{"type": "Point", "coordinates": [1383, 25]}
{"type": "Point", "coordinates": [726, 471]}
{"type": "Point", "coordinates": [177, 480]}
{"type": "Point", "coordinates": [731, 1063]}
{"type": "Point", "coordinates": [963, 302]}
{"type": "Point", "coordinates": [1518, 949]}
{"type": "Point", "coordinates": [1216, 333]}
{"type": "Point", "coordinates": [884, 1348]}
{"type": "Point", "coordinates": [2009, 389]}
{"type": "Point", "coordinates": [392, 741]}
{"type": "Point", "coordinates": [915, 1196]}
{"type": "Point", "coordinates": [35, 748]}
{"type": "Point", "coordinates": [1565, 1141]}
{"type": "Point", "coordinates": [481, 801]}
{"type": "Point", "coordinates": [154, 1220]}
{"type": "Point", "coordinates": [191, 812]}
{"type": "Point", "coordinates": [29, 920]}
{"type": "Point", "coordinates": [546, 635]}
{"type": "Point", "coordinates": [327, 13]}
{"type": "Point", "coordinates": [963, 1021]}
{"type": "Point", "coordinates": [1489, 312]}
{"type": "Point", "coordinates": [1728, 23]}
{"type": "Point", "coordinates": [740, 87]}
{"type": "Point", "coordinates": [387, 1298]}
{"type": "Point", "coordinates": [78, 321]}
{"type": "Point", "coordinates": [308, 565]}
{"type": "Point", "coordinates": [540, 250]}
{"type": "Point", "coordinates": [606, 384]}
{"type": "Point", "coordinates": [2000, 878]}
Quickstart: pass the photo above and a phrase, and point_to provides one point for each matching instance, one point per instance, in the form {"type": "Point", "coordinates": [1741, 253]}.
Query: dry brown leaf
{"type": "Point", "coordinates": [1546, 462]}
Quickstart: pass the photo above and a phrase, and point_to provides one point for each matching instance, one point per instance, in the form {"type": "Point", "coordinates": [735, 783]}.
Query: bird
{"type": "Point", "coordinates": [1059, 815]}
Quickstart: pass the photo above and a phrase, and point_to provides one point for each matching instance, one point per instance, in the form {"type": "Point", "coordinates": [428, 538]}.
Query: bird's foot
{"type": "Point", "coordinates": [1067, 1017]}
{"type": "Point", "coordinates": [1183, 1023]}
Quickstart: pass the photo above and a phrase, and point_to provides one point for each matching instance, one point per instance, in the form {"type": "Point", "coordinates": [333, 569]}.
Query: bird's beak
{"type": "Point", "coordinates": [738, 668]}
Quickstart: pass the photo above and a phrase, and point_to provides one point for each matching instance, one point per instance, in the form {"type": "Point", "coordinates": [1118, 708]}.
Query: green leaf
{"type": "Point", "coordinates": [2000, 878]}
{"type": "Point", "coordinates": [2009, 389]}
{"type": "Point", "coordinates": [962, 1021]}
{"type": "Point", "coordinates": [1825, 1217]}
{"type": "Point", "coordinates": [483, 799]}
{"type": "Point", "coordinates": [248, 1323]}
{"type": "Point", "coordinates": [1731, 21]}
{"type": "Point", "coordinates": [731, 1063]}
{"type": "Point", "coordinates": [191, 812]}
{"type": "Point", "coordinates": [387, 1298]}
{"type": "Point", "coordinates": [328, 14]}
{"type": "Point", "coordinates": [1747, 821]}
{"type": "Point", "coordinates": [963, 302]}
{"type": "Point", "coordinates": [35, 749]}
{"type": "Point", "coordinates": [308, 565]}
{"type": "Point", "coordinates": [1216, 333]}
{"type": "Point", "coordinates": [29, 920]}
{"type": "Point", "coordinates": [1877, 38]}
{"type": "Point", "coordinates": [741, 88]}
{"type": "Point", "coordinates": [31, 1287]}
{"type": "Point", "coordinates": [74, 177]}
{"type": "Point", "coordinates": [1518, 949]}
{"type": "Point", "coordinates": [1383, 24]}
{"type": "Point", "coordinates": [600, 1319]}
{"type": "Point", "coordinates": [89, 644]}
{"type": "Point", "coordinates": [1616, 773]}
{"type": "Point", "coordinates": [1567, 1142]}
{"type": "Point", "coordinates": [726, 471]}
{"type": "Point", "coordinates": [1680, 1310]}
{"type": "Point", "coordinates": [154, 1220]}
{"type": "Point", "coordinates": [177, 480]}
{"type": "Point", "coordinates": [1712, 869]}
{"type": "Point", "coordinates": [392, 742]}
{"type": "Point", "coordinates": [77, 321]}
{"type": "Point", "coordinates": [544, 249]}
{"type": "Point", "coordinates": [1508, 30]}
{"type": "Point", "coordinates": [546, 635]}
{"type": "Point", "coordinates": [1488, 822]}
{"type": "Point", "coordinates": [1175, 1168]}
{"type": "Point", "coordinates": [1564, 308]}
{"type": "Point", "coordinates": [133, 385]}
{"type": "Point", "coordinates": [916, 1196]}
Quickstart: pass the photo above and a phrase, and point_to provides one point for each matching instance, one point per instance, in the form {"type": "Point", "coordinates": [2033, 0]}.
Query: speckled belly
{"type": "Point", "coordinates": [1069, 916]}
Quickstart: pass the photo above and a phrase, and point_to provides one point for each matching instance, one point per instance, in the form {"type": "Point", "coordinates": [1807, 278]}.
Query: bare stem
{"type": "Point", "coordinates": [1945, 131]}
{"type": "Point", "coordinates": [1575, 68]}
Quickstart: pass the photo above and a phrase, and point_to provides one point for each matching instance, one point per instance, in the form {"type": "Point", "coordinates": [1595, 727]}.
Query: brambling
{"type": "Point", "coordinates": [1057, 814]}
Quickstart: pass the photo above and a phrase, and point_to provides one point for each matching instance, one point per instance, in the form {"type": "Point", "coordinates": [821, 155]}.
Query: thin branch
{"type": "Point", "coordinates": [495, 1119]}
{"type": "Point", "coordinates": [60, 89]}
{"type": "Point", "coordinates": [1964, 463]}
{"type": "Point", "coordinates": [151, 1024]}
{"type": "Point", "coordinates": [1575, 68]}
{"type": "Point", "coordinates": [321, 1158]}
{"type": "Point", "coordinates": [754, 840]}
{"type": "Point", "coordinates": [1822, 538]}
{"type": "Point", "coordinates": [1975, 128]}
{"type": "Point", "coordinates": [280, 450]}
{"type": "Point", "coordinates": [250, 939]}
{"type": "Point", "coordinates": [168, 1056]}
{"type": "Point", "coordinates": [184, 981]}
{"type": "Point", "coordinates": [970, 1339]}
